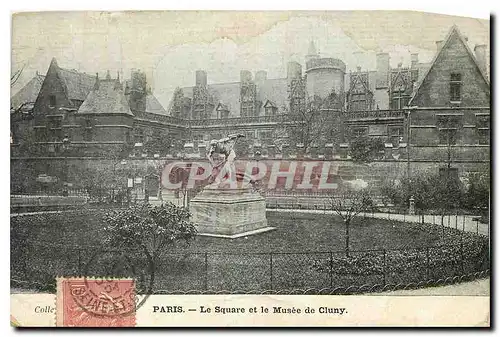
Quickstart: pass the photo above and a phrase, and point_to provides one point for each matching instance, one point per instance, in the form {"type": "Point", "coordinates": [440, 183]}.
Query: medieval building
{"type": "Point", "coordinates": [427, 105]}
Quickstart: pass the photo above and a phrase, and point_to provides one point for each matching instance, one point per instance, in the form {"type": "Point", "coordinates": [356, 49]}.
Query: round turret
{"type": "Point", "coordinates": [325, 75]}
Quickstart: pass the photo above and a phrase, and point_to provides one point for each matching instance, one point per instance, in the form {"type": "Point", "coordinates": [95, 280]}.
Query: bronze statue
{"type": "Point", "coordinates": [225, 147]}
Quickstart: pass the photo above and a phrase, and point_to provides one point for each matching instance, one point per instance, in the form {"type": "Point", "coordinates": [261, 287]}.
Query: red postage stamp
{"type": "Point", "coordinates": [88, 302]}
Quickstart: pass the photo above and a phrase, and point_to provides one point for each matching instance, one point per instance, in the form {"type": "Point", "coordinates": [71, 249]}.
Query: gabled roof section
{"type": "Point", "coordinates": [270, 104]}
{"type": "Point", "coordinates": [154, 106]}
{"type": "Point", "coordinates": [222, 107]}
{"type": "Point", "coordinates": [275, 90]}
{"type": "Point", "coordinates": [358, 78]}
{"type": "Point", "coordinates": [28, 93]}
{"type": "Point", "coordinates": [106, 97]}
{"type": "Point", "coordinates": [454, 30]}
{"type": "Point", "coordinates": [78, 85]}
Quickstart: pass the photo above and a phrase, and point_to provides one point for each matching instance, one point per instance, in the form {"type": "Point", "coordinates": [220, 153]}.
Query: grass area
{"type": "Point", "coordinates": [295, 255]}
{"type": "Point", "coordinates": [294, 232]}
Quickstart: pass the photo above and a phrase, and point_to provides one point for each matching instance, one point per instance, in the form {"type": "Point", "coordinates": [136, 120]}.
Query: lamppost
{"type": "Point", "coordinates": [65, 149]}
{"type": "Point", "coordinates": [122, 162]}
{"type": "Point", "coordinates": [257, 156]}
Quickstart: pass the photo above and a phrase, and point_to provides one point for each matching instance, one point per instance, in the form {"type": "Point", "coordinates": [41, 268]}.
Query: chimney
{"type": "Point", "coordinates": [96, 84]}
{"type": "Point", "coordinates": [439, 44]}
{"type": "Point", "coordinates": [201, 78]}
{"type": "Point", "coordinates": [382, 79]}
{"type": "Point", "coordinates": [358, 68]}
{"type": "Point", "coordinates": [480, 52]}
{"type": "Point", "coordinates": [138, 81]}
{"type": "Point", "coordinates": [245, 76]}
{"type": "Point", "coordinates": [414, 60]}
{"type": "Point", "coordinates": [261, 76]}
{"type": "Point", "coordinates": [118, 85]}
{"type": "Point", "coordinates": [293, 71]}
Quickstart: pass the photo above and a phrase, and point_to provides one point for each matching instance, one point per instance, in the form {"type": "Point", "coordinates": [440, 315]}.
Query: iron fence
{"type": "Point", "coordinates": [35, 265]}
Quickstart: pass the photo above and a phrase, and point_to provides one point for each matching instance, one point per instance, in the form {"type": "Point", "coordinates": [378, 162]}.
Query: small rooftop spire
{"type": "Point", "coordinates": [118, 85]}
{"type": "Point", "coordinates": [312, 49]}
{"type": "Point", "coordinates": [96, 85]}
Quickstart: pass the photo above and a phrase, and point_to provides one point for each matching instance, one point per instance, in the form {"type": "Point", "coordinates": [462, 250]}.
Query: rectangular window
{"type": "Point", "coordinates": [449, 121]}
{"type": "Point", "coordinates": [483, 136]}
{"type": "Point", "coordinates": [483, 121]}
{"type": "Point", "coordinates": [455, 87]}
{"type": "Point", "coordinates": [358, 102]}
{"type": "Point", "coordinates": [52, 101]}
{"type": "Point", "coordinates": [358, 132]}
{"type": "Point", "coordinates": [87, 135]}
{"type": "Point", "coordinates": [448, 136]}
{"type": "Point", "coordinates": [139, 136]}
{"type": "Point", "coordinates": [448, 172]}
{"type": "Point", "coordinates": [399, 100]}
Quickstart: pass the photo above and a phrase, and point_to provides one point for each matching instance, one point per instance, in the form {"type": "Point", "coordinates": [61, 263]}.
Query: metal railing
{"type": "Point", "coordinates": [36, 264]}
{"type": "Point", "coordinates": [373, 114]}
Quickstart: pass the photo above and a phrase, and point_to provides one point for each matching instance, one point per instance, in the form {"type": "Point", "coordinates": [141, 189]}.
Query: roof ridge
{"type": "Point", "coordinates": [74, 71]}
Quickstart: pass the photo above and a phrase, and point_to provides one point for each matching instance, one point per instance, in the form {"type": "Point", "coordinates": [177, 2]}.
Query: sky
{"type": "Point", "coordinates": [171, 46]}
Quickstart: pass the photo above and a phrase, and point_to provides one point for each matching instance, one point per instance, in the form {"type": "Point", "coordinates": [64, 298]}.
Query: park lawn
{"type": "Point", "coordinates": [69, 244]}
{"type": "Point", "coordinates": [294, 233]}
{"type": "Point", "coordinates": [302, 232]}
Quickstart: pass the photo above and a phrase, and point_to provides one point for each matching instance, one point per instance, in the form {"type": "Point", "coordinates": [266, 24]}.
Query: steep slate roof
{"type": "Point", "coordinates": [152, 103]}
{"type": "Point", "coordinates": [453, 30]}
{"type": "Point", "coordinates": [78, 85]}
{"type": "Point", "coordinates": [228, 94]}
{"type": "Point", "coordinates": [108, 98]}
{"type": "Point", "coordinates": [28, 93]}
{"type": "Point", "coordinates": [154, 106]}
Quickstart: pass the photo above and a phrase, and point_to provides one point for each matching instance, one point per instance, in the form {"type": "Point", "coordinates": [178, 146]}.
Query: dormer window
{"type": "Point", "coordinates": [270, 108]}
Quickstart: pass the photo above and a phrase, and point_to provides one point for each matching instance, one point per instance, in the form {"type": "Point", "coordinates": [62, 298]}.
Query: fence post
{"type": "Point", "coordinates": [385, 267]}
{"type": "Point", "coordinates": [271, 269]}
{"type": "Point", "coordinates": [477, 227]}
{"type": "Point", "coordinates": [80, 262]}
{"type": "Point", "coordinates": [205, 281]}
{"type": "Point", "coordinates": [427, 263]}
{"type": "Point", "coordinates": [463, 224]}
{"type": "Point", "coordinates": [462, 257]}
{"type": "Point", "coordinates": [434, 219]}
{"type": "Point", "coordinates": [404, 217]}
{"type": "Point", "coordinates": [456, 221]}
{"type": "Point", "coordinates": [331, 270]}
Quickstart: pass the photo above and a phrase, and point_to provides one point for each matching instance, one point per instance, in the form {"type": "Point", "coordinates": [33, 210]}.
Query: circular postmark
{"type": "Point", "coordinates": [116, 283]}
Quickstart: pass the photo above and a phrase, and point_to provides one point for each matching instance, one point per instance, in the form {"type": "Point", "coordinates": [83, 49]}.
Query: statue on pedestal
{"type": "Point", "coordinates": [224, 147]}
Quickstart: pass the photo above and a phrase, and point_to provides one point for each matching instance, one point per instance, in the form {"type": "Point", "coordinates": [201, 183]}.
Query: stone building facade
{"type": "Point", "coordinates": [449, 114]}
{"type": "Point", "coordinates": [420, 105]}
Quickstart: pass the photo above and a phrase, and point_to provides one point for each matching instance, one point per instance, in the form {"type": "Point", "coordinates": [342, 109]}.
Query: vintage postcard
{"type": "Point", "coordinates": [281, 168]}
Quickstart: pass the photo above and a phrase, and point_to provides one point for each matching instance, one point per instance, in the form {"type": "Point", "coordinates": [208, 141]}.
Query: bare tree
{"type": "Point", "coordinates": [15, 77]}
{"type": "Point", "coordinates": [348, 202]}
{"type": "Point", "coordinates": [308, 124]}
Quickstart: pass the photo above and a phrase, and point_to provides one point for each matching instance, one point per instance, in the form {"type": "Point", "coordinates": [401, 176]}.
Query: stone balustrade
{"type": "Point", "coordinates": [327, 151]}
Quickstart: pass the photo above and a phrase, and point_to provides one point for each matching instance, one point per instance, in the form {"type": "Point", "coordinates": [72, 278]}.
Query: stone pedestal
{"type": "Point", "coordinates": [229, 213]}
